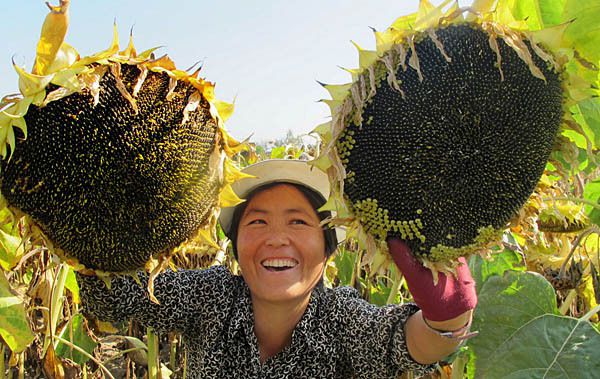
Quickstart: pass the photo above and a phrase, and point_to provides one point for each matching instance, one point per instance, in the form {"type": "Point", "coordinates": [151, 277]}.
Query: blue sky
{"type": "Point", "coordinates": [266, 54]}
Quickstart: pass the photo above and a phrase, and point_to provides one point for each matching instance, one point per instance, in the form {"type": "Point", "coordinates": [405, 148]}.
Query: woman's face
{"type": "Point", "coordinates": [280, 244]}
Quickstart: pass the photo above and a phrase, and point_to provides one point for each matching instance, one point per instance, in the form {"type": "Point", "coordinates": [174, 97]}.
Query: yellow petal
{"type": "Point", "coordinates": [102, 57]}
{"type": "Point", "coordinates": [206, 236]}
{"type": "Point", "coordinates": [330, 205]}
{"type": "Point", "coordinates": [147, 54]}
{"type": "Point", "coordinates": [68, 79]}
{"type": "Point", "coordinates": [365, 57]}
{"type": "Point", "coordinates": [38, 98]}
{"type": "Point", "coordinates": [30, 84]}
{"type": "Point", "coordinates": [552, 38]}
{"type": "Point", "coordinates": [65, 57]}
{"type": "Point", "coordinates": [129, 51]}
{"type": "Point", "coordinates": [323, 162]}
{"type": "Point", "coordinates": [332, 104]}
{"type": "Point", "coordinates": [385, 40]}
{"type": "Point", "coordinates": [428, 16]}
{"type": "Point", "coordinates": [52, 36]}
{"type": "Point", "coordinates": [21, 124]}
{"type": "Point", "coordinates": [225, 109]}
{"type": "Point", "coordinates": [206, 88]}
{"type": "Point", "coordinates": [337, 91]}
{"type": "Point", "coordinates": [481, 6]}
{"type": "Point", "coordinates": [324, 131]}
{"type": "Point", "coordinates": [114, 45]}
{"type": "Point", "coordinates": [18, 109]}
{"type": "Point", "coordinates": [228, 197]}
{"type": "Point", "coordinates": [163, 62]}
{"type": "Point", "coordinates": [10, 141]}
{"type": "Point", "coordinates": [233, 174]}
{"type": "Point", "coordinates": [404, 23]}
{"type": "Point", "coordinates": [231, 145]}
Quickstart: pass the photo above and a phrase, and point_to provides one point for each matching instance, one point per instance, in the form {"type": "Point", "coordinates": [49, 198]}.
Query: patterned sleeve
{"type": "Point", "coordinates": [374, 336]}
{"type": "Point", "coordinates": [188, 298]}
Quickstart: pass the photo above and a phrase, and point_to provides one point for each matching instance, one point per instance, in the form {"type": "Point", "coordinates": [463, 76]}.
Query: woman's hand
{"type": "Point", "coordinates": [449, 298]}
{"type": "Point", "coordinates": [446, 307]}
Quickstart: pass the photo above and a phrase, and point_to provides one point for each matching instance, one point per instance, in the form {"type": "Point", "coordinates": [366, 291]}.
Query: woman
{"type": "Point", "coordinates": [277, 320]}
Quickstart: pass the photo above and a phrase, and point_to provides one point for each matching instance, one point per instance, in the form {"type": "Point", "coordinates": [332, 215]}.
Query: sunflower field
{"type": "Point", "coordinates": [537, 266]}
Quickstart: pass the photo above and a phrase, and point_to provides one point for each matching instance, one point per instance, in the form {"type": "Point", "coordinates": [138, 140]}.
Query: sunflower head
{"type": "Point", "coordinates": [446, 128]}
{"type": "Point", "coordinates": [114, 158]}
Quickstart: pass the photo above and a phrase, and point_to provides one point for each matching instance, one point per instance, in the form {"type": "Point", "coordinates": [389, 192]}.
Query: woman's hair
{"type": "Point", "coordinates": [313, 197]}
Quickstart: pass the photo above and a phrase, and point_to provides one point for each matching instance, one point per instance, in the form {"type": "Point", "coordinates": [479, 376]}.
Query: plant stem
{"type": "Point", "coordinates": [356, 269]}
{"type": "Point", "coordinates": [69, 343]}
{"type": "Point", "coordinates": [56, 303]}
{"type": "Point", "coordinates": [397, 283]}
{"type": "Point", "coordinates": [185, 355]}
{"type": "Point", "coordinates": [564, 308]}
{"type": "Point", "coordinates": [172, 354]}
{"type": "Point", "coordinates": [2, 365]}
{"type": "Point", "coordinates": [458, 367]}
{"type": "Point", "coordinates": [580, 237]}
{"type": "Point", "coordinates": [589, 315]}
{"type": "Point", "coordinates": [152, 354]}
{"type": "Point", "coordinates": [22, 366]}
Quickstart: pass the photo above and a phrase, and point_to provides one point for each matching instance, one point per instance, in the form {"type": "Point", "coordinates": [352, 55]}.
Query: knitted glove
{"type": "Point", "coordinates": [451, 297]}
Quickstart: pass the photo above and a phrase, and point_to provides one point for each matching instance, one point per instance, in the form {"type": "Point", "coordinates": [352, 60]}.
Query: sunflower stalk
{"type": "Point", "coordinates": [56, 304]}
{"type": "Point", "coordinates": [173, 353]}
{"type": "Point", "coordinates": [576, 243]}
{"type": "Point", "coordinates": [397, 282]}
{"type": "Point", "coordinates": [458, 366]}
{"type": "Point", "coordinates": [153, 354]}
{"type": "Point", "coordinates": [356, 269]}
{"type": "Point", "coordinates": [2, 365]}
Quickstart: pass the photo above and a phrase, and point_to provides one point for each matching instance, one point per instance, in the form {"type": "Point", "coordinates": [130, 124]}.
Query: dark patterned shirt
{"type": "Point", "coordinates": [339, 335]}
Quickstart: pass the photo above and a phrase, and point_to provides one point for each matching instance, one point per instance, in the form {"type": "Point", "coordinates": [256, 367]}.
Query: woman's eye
{"type": "Point", "coordinates": [256, 221]}
{"type": "Point", "coordinates": [299, 222]}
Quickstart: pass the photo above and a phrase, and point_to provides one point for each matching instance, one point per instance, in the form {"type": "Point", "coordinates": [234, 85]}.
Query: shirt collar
{"type": "Point", "coordinates": [242, 322]}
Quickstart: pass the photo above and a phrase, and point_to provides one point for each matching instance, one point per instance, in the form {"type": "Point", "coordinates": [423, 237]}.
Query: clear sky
{"type": "Point", "coordinates": [267, 54]}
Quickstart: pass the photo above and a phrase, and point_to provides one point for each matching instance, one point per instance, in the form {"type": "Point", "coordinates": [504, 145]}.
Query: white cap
{"type": "Point", "coordinates": [278, 171]}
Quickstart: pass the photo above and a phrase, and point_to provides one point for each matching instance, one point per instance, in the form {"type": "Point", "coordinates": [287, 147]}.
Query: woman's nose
{"type": "Point", "coordinates": [278, 236]}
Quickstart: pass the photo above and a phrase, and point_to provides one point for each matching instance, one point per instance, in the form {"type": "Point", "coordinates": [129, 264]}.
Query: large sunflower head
{"type": "Point", "coordinates": [447, 126]}
{"type": "Point", "coordinates": [116, 157]}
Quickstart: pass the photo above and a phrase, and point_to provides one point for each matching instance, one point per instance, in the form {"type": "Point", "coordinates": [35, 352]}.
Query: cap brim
{"type": "Point", "coordinates": [278, 171]}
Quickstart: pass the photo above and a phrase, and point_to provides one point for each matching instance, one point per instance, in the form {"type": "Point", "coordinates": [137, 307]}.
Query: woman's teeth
{"type": "Point", "coordinates": [279, 264]}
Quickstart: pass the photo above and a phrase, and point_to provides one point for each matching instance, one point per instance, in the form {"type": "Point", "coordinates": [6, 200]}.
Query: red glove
{"type": "Point", "coordinates": [451, 297]}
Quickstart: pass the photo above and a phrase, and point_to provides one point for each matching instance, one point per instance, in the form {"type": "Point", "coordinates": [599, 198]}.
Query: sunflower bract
{"type": "Point", "coordinates": [111, 186]}
{"type": "Point", "coordinates": [447, 157]}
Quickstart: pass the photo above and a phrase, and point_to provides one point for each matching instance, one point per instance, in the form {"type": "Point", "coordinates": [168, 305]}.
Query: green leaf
{"type": "Point", "coordinates": [506, 303]}
{"type": "Point", "coordinates": [588, 117]}
{"type": "Point", "coordinates": [497, 264]}
{"type": "Point", "coordinates": [538, 13]}
{"type": "Point", "coordinates": [14, 324]}
{"type": "Point", "coordinates": [278, 152]}
{"type": "Point", "coordinates": [344, 262]}
{"type": "Point", "coordinates": [548, 346]}
{"type": "Point", "coordinates": [75, 333]}
{"type": "Point", "coordinates": [379, 292]}
{"type": "Point", "coordinates": [72, 286]}
{"type": "Point", "coordinates": [591, 192]}
{"type": "Point", "coordinates": [11, 250]}
{"type": "Point", "coordinates": [584, 31]}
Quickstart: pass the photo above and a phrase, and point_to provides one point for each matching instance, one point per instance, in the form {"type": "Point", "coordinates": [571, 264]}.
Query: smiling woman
{"type": "Point", "coordinates": [277, 320]}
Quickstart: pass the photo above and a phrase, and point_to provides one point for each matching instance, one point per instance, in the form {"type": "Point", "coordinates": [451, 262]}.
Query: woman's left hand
{"type": "Point", "coordinates": [451, 297]}
{"type": "Point", "coordinates": [446, 306]}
